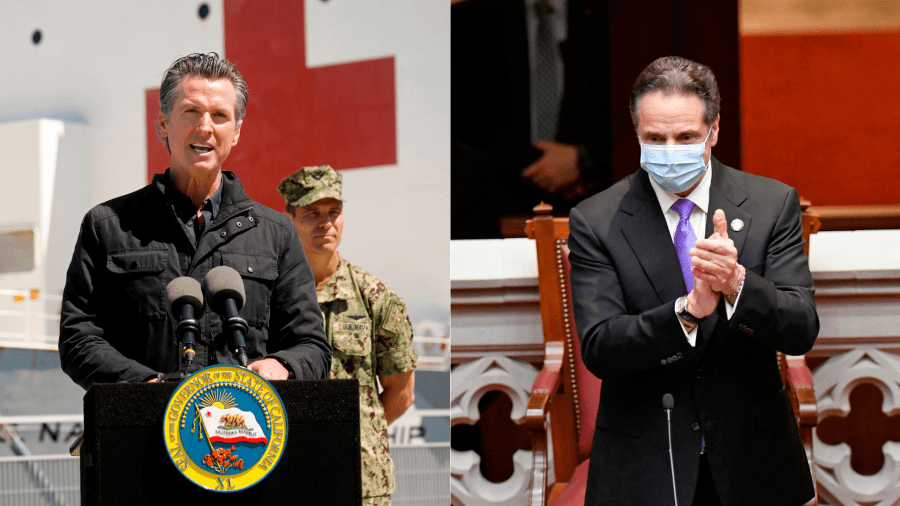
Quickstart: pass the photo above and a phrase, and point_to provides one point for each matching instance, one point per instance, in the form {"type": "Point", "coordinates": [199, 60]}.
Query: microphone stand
{"type": "Point", "coordinates": [237, 328]}
{"type": "Point", "coordinates": [668, 404]}
{"type": "Point", "coordinates": [187, 328]}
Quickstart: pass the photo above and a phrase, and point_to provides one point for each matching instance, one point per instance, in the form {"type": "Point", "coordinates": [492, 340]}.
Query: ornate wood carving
{"type": "Point", "coordinates": [469, 382]}
{"type": "Point", "coordinates": [838, 483]}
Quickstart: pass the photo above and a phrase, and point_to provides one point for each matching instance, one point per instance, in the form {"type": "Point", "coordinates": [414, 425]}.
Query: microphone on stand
{"type": "Point", "coordinates": [668, 403]}
{"type": "Point", "coordinates": [185, 299]}
{"type": "Point", "coordinates": [224, 290]}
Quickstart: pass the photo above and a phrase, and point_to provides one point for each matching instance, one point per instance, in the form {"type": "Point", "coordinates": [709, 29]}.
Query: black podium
{"type": "Point", "coordinates": [124, 460]}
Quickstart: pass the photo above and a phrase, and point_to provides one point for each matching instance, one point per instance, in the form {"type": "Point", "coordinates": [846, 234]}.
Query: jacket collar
{"type": "Point", "coordinates": [233, 194]}
{"type": "Point", "coordinates": [648, 235]}
{"type": "Point", "coordinates": [234, 197]}
{"type": "Point", "coordinates": [725, 194]}
{"type": "Point", "coordinates": [236, 215]}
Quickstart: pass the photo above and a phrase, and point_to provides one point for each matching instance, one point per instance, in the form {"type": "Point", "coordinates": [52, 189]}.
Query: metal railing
{"type": "Point", "coordinates": [422, 474]}
{"type": "Point", "coordinates": [20, 478]}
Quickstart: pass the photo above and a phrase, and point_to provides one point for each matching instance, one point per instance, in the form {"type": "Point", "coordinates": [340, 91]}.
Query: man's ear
{"type": "Point", "coordinates": [237, 133]}
{"type": "Point", "coordinates": [162, 126]}
{"type": "Point", "coordinates": [714, 136]}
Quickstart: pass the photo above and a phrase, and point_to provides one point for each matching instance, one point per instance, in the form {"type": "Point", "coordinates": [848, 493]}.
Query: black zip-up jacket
{"type": "Point", "coordinates": [113, 324]}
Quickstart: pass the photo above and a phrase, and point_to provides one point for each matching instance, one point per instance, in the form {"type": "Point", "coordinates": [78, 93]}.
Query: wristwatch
{"type": "Point", "coordinates": [682, 312]}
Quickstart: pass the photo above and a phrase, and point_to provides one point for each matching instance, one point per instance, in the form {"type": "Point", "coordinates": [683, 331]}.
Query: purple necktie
{"type": "Point", "coordinates": [684, 240]}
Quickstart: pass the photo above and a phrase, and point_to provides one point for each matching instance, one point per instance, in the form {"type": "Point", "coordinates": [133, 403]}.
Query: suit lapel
{"type": "Point", "coordinates": [724, 195]}
{"type": "Point", "coordinates": [648, 236]}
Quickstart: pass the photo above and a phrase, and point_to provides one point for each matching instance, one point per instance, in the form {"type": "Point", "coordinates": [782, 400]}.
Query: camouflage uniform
{"type": "Point", "coordinates": [369, 331]}
{"type": "Point", "coordinates": [371, 335]}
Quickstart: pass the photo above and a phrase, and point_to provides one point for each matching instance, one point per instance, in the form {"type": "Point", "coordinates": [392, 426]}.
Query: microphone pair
{"type": "Point", "coordinates": [223, 289]}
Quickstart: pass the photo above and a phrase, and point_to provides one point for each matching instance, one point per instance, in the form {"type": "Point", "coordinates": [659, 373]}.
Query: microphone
{"type": "Point", "coordinates": [185, 298]}
{"type": "Point", "coordinates": [224, 290]}
{"type": "Point", "coordinates": [668, 403]}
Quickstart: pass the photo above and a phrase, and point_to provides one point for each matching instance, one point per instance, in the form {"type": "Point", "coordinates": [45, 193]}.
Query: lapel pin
{"type": "Point", "coordinates": [737, 225]}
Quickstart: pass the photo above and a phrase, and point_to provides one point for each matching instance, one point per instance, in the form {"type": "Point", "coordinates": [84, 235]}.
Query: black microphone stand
{"type": "Point", "coordinates": [236, 327]}
{"type": "Point", "coordinates": [187, 328]}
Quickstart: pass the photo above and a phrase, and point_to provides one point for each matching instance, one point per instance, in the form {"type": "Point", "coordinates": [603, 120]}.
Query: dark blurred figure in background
{"type": "Point", "coordinates": [530, 115]}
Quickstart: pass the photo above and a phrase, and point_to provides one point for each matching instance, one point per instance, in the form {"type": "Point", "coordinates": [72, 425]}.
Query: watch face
{"type": "Point", "coordinates": [681, 311]}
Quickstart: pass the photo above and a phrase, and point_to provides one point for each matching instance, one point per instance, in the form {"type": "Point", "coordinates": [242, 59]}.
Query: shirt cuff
{"type": "Point", "coordinates": [729, 309]}
{"type": "Point", "coordinates": [692, 335]}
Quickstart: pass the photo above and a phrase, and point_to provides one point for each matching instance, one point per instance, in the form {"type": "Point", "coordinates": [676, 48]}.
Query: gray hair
{"type": "Point", "coordinates": [209, 66]}
{"type": "Point", "coordinates": [674, 75]}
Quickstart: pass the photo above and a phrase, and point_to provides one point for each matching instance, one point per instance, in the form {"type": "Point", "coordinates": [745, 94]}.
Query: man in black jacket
{"type": "Point", "coordinates": [114, 324]}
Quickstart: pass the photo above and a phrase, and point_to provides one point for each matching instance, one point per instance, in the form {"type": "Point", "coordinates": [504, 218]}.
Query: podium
{"type": "Point", "coordinates": [124, 460]}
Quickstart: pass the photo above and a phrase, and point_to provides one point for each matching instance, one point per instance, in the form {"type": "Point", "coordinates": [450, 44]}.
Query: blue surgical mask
{"type": "Point", "coordinates": [674, 167]}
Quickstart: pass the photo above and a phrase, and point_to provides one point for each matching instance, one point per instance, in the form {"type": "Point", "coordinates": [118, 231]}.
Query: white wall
{"type": "Point", "coordinates": [97, 57]}
{"type": "Point", "coordinates": [406, 243]}
{"type": "Point", "coordinates": [40, 161]}
{"type": "Point", "coordinates": [94, 61]}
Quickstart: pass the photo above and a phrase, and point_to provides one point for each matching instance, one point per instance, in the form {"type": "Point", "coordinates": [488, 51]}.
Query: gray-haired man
{"type": "Point", "coordinates": [192, 218]}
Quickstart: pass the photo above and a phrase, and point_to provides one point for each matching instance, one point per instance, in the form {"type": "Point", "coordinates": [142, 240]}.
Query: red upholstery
{"type": "Point", "coordinates": [573, 495]}
{"type": "Point", "coordinates": [588, 384]}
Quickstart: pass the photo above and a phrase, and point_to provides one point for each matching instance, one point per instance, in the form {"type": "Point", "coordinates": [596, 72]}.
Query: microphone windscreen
{"type": "Point", "coordinates": [223, 283]}
{"type": "Point", "coordinates": [184, 290]}
{"type": "Point", "coordinates": [668, 401]}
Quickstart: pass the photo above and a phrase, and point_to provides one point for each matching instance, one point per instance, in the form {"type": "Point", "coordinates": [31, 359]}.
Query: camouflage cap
{"type": "Point", "coordinates": [310, 184]}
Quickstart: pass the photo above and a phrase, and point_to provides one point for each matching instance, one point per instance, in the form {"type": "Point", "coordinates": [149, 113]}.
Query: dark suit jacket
{"type": "Point", "coordinates": [491, 100]}
{"type": "Point", "coordinates": [625, 279]}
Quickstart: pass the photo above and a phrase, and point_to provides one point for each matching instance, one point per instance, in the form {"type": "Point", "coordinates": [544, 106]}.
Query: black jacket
{"type": "Point", "coordinates": [114, 325]}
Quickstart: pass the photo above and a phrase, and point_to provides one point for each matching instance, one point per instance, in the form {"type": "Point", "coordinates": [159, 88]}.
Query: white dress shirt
{"type": "Point", "coordinates": [700, 198]}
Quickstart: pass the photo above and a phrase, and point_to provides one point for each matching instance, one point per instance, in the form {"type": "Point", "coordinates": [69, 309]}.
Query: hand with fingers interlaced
{"type": "Point", "coordinates": [715, 260]}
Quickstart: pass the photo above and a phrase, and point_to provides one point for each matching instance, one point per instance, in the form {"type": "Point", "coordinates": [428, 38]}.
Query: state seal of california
{"type": "Point", "coordinates": [225, 428]}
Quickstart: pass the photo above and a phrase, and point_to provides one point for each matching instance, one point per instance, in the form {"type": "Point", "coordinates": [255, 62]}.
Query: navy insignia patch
{"type": "Point", "coordinates": [225, 428]}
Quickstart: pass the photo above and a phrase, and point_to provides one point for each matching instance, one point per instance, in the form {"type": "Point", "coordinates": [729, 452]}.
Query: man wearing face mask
{"type": "Point", "coordinates": [687, 277]}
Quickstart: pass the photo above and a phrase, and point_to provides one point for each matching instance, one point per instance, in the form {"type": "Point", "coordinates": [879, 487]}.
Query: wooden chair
{"type": "Point", "coordinates": [565, 395]}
